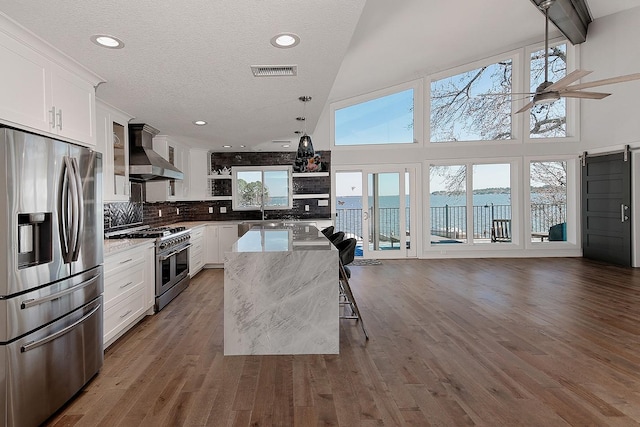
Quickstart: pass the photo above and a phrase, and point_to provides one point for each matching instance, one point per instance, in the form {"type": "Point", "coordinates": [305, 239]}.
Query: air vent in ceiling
{"type": "Point", "coordinates": [274, 70]}
{"type": "Point", "coordinates": [281, 141]}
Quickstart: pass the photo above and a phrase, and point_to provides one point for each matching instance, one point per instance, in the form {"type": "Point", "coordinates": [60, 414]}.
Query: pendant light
{"type": "Point", "coordinates": [305, 146]}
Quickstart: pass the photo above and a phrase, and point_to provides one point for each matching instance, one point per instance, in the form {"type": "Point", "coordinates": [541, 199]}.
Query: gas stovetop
{"type": "Point", "coordinates": [165, 236]}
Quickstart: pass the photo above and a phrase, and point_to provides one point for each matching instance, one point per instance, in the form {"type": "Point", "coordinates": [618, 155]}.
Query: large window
{"type": "Point", "coordinates": [484, 197]}
{"type": "Point", "coordinates": [548, 120]}
{"type": "Point", "coordinates": [384, 120]}
{"type": "Point", "coordinates": [262, 187]}
{"type": "Point", "coordinates": [473, 106]}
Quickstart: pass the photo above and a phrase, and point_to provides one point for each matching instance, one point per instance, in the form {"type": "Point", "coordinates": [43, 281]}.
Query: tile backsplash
{"type": "Point", "coordinates": [126, 214]}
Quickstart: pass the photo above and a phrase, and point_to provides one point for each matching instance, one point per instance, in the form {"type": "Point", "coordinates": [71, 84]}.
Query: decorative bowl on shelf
{"type": "Point", "coordinates": [225, 171]}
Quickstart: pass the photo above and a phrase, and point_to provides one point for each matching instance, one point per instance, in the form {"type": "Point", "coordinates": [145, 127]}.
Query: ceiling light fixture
{"type": "Point", "coordinates": [199, 122]}
{"type": "Point", "coordinates": [305, 146]}
{"type": "Point", "coordinates": [285, 40]}
{"type": "Point", "coordinates": [107, 41]}
{"type": "Point", "coordinates": [227, 146]}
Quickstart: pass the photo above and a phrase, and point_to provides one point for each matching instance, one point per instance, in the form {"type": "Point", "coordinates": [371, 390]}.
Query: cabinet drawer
{"type": "Point", "coordinates": [197, 233]}
{"type": "Point", "coordinates": [123, 282]}
{"type": "Point", "coordinates": [122, 314]}
{"type": "Point", "coordinates": [113, 264]}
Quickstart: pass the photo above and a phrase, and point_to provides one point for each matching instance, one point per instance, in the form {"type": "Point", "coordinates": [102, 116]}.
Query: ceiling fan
{"type": "Point", "coordinates": [548, 92]}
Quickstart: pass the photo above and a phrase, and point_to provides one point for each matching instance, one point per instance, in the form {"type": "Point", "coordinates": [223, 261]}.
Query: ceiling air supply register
{"type": "Point", "coordinates": [144, 163]}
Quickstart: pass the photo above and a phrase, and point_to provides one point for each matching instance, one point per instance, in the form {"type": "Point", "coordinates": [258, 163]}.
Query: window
{"type": "Point", "coordinates": [484, 197]}
{"type": "Point", "coordinates": [492, 203]}
{"type": "Point", "coordinates": [548, 120]}
{"type": "Point", "coordinates": [548, 193]}
{"type": "Point", "coordinates": [460, 111]}
{"type": "Point", "coordinates": [384, 120]}
{"type": "Point", "coordinates": [448, 202]}
{"type": "Point", "coordinates": [262, 187]}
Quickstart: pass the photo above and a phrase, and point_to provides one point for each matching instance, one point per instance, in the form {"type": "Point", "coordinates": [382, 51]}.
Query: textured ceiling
{"type": "Point", "coordinates": [191, 60]}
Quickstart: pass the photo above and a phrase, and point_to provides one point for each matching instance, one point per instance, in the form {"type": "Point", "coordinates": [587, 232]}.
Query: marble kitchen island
{"type": "Point", "coordinates": [281, 293]}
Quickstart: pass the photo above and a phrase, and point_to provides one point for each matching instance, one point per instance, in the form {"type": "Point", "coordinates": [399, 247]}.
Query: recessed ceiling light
{"type": "Point", "coordinates": [242, 146]}
{"type": "Point", "coordinates": [285, 40]}
{"type": "Point", "coordinates": [199, 122]}
{"type": "Point", "coordinates": [226, 146]}
{"type": "Point", "coordinates": [110, 42]}
{"type": "Point", "coordinates": [286, 145]}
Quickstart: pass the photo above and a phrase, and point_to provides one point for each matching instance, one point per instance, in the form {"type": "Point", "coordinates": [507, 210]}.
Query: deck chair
{"type": "Point", "coordinates": [501, 230]}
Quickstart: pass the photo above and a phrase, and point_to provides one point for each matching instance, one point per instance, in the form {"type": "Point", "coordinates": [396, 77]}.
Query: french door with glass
{"type": "Point", "coordinates": [375, 205]}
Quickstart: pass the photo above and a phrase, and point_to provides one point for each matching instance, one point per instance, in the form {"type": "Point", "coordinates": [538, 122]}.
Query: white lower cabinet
{"type": "Point", "coordinates": [128, 290]}
{"type": "Point", "coordinates": [218, 240]}
{"type": "Point", "coordinates": [211, 237]}
{"type": "Point", "coordinates": [197, 250]}
{"type": "Point", "coordinates": [227, 236]}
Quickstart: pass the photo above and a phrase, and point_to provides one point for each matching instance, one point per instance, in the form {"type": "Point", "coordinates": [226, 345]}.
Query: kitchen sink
{"type": "Point", "coordinates": [245, 226]}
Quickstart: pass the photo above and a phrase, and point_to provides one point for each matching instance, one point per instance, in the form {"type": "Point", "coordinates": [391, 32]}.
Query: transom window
{"type": "Point", "coordinates": [548, 120]}
{"type": "Point", "coordinates": [474, 105]}
{"type": "Point", "coordinates": [387, 119]}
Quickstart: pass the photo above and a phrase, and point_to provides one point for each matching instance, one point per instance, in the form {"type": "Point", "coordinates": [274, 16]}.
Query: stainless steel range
{"type": "Point", "coordinates": [172, 259]}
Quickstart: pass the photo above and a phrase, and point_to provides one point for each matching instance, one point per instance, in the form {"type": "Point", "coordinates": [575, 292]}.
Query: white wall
{"type": "Point", "coordinates": [611, 50]}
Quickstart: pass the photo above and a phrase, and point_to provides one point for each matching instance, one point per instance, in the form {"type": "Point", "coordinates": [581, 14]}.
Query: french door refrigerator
{"type": "Point", "coordinates": [51, 279]}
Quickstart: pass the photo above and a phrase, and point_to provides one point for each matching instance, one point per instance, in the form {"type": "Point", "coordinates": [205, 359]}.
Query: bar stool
{"type": "Point", "coordinates": [336, 237]}
{"type": "Point", "coordinates": [327, 231]}
{"type": "Point", "coordinates": [347, 250]}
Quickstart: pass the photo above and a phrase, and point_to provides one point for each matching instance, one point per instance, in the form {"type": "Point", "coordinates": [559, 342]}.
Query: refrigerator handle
{"type": "Point", "coordinates": [33, 344]}
{"type": "Point", "coordinates": [63, 211]}
{"type": "Point", "coordinates": [70, 195]}
{"type": "Point", "coordinates": [79, 214]}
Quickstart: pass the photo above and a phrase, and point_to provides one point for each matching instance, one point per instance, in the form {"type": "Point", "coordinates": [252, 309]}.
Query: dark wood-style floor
{"type": "Point", "coordinates": [508, 342]}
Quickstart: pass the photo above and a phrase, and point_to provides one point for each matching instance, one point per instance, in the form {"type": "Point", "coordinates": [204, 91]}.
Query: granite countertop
{"type": "Point", "coordinates": [113, 246]}
{"type": "Point", "coordinates": [283, 238]}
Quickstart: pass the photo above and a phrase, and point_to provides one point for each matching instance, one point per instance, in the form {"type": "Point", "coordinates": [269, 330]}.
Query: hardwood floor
{"type": "Point", "coordinates": [492, 342]}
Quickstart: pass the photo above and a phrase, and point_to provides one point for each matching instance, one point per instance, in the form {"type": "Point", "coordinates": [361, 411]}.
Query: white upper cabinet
{"type": "Point", "coordinates": [112, 136]}
{"type": "Point", "coordinates": [172, 189]}
{"type": "Point", "coordinates": [198, 170]}
{"type": "Point", "coordinates": [42, 90]}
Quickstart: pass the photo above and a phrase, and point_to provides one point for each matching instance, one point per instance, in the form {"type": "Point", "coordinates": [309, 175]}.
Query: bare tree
{"type": "Point", "coordinates": [476, 105]}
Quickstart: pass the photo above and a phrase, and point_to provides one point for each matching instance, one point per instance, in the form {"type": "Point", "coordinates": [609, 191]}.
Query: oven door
{"type": "Point", "coordinates": [171, 268]}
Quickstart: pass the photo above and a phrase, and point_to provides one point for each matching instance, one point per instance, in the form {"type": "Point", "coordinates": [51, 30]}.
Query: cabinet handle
{"type": "Point", "coordinates": [125, 285]}
{"type": "Point", "coordinates": [126, 261]}
{"type": "Point", "coordinates": [59, 114]}
{"type": "Point", "coordinates": [126, 314]}
{"type": "Point", "coordinates": [52, 118]}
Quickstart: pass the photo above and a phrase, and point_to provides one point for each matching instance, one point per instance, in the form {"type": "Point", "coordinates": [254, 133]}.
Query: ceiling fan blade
{"type": "Point", "coordinates": [567, 80]}
{"type": "Point", "coordinates": [525, 108]}
{"type": "Point", "coordinates": [604, 82]}
{"type": "Point", "coordinates": [586, 95]}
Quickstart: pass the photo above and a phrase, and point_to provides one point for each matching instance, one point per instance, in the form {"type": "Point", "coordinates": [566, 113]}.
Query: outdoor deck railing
{"type": "Point", "coordinates": [451, 221]}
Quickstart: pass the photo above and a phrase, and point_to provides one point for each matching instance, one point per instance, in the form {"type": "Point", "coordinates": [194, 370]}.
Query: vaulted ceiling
{"type": "Point", "coordinates": [186, 61]}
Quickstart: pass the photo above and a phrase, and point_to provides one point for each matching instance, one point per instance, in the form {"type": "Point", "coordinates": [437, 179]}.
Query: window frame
{"type": "Point", "coordinates": [573, 202]}
{"type": "Point", "coordinates": [573, 104]}
{"type": "Point", "coordinates": [515, 194]}
{"type": "Point", "coordinates": [262, 169]}
{"type": "Point", "coordinates": [517, 58]}
{"type": "Point", "coordinates": [418, 115]}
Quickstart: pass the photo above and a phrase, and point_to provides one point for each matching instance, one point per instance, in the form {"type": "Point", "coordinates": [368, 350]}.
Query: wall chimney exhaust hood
{"type": "Point", "coordinates": [144, 163]}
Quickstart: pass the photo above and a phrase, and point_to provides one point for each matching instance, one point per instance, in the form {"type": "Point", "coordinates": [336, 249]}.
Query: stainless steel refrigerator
{"type": "Point", "coordinates": [51, 280]}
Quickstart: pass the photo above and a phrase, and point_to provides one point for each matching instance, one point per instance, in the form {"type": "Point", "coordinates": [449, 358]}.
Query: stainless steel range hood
{"type": "Point", "coordinates": [144, 163]}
